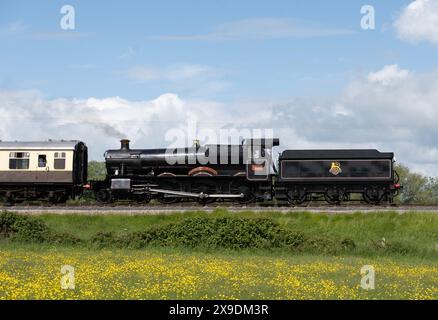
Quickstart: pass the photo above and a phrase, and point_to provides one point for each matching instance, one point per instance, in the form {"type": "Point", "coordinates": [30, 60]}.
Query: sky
{"type": "Point", "coordinates": [162, 72]}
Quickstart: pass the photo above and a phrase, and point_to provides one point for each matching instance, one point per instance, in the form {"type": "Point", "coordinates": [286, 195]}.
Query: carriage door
{"type": "Point", "coordinates": [258, 163]}
{"type": "Point", "coordinates": [43, 167]}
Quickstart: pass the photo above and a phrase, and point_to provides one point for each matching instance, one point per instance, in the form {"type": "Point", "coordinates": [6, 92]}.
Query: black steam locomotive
{"type": "Point", "coordinates": [246, 173]}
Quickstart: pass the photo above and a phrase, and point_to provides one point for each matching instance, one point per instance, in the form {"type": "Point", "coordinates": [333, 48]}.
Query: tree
{"type": "Point", "coordinates": [96, 170]}
{"type": "Point", "coordinates": [416, 187]}
{"type": "Point", "coordinates": [433, 185]}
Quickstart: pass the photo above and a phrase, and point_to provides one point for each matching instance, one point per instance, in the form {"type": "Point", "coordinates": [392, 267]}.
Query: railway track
{"type": "Point", "coordinates": [163, 209]}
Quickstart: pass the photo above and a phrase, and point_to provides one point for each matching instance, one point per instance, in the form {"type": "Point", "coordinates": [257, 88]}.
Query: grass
{"type": "Point", "coordinates": [407, 271]}
{"type": "Point", "coordinates": [417, 231]}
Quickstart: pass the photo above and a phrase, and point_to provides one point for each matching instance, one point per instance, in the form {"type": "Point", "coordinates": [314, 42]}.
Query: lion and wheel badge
{"type": "Point", "coordinates": [335, 168]}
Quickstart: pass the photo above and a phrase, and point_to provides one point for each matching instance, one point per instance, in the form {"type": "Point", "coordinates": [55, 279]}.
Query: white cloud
{"type": "Point", "coordinates": [142, 73]}
{"type": "Point", "coordinates": [129, 53]}
{"type": "Point", "coordinates": [194, 79]}
{"type": "Point", "coordinates": [418, 22]}
{"type": "Point", "coordinates": [368, 113]}
{"type": "Point", "coordinates": [60, 35]}
{"type": "Point", "coordinates": [388, 75]}
{"type": "Point", "coordinates": [187, 72]}
{"type": "Point", "coordinates": [172, 73]}
{"type": "Point", "coordinates": [27, 115]}
{"type": "Point", "coordinates": [12, 29]}
{"type": "Point", "coordinates": [16, 26]}
{"type": "Point", "coordinates": [262, 28]}
{"type": "Point", "coordinates": [19, 28]}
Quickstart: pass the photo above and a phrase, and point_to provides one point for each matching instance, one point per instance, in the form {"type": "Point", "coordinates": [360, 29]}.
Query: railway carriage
{"type": "Point", "coordinates": [45, 170]}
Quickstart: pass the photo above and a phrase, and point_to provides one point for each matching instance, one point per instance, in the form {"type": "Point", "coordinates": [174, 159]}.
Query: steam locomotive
{"type": "Point", "coordinates": [247, 173]}
{"type": "Point", "coordinates": [243, 173]}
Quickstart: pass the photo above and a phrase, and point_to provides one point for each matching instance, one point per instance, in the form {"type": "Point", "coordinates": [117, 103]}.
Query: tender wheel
{"type": "Point", "coordinates": [296, 197]}
{"type": "Point", "coordinates": [296, 201]}
{"type": "Point", "coordinates": [334, 196]}
{"type": "Point", "coordinates": [372, 196]}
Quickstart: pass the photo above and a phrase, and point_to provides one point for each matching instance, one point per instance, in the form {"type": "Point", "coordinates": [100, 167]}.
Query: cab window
{"type": "Point", "coordinates": [19, 160]}
{"type": "Point", "coordinates": [59, 160]}
{"type": "Point", "coordinates": [42, 160]}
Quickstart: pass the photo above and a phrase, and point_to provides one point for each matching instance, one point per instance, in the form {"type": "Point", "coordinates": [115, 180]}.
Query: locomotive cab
{"type": "Point", "coordinates": [259, 163]}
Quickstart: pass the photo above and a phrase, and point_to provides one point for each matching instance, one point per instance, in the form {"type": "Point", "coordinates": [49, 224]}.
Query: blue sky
{"type": "Point", "coordinates": [143, 69]}
{"type": "Point", "coordinates": [112, 37]}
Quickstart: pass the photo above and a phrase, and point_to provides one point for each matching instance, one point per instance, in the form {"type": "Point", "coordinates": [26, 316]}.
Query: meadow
{"type": "Point", "coordinates": [112, 259]}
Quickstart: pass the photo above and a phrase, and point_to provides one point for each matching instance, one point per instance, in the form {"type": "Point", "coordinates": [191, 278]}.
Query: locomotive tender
{"type": "Point", "coordinates": [335, 175]}
{"type": "Point", "coordinates": [57, 170]}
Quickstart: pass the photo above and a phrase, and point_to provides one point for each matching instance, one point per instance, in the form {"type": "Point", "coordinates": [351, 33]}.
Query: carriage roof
{"type": "Point", "coordinates": [39, 145]}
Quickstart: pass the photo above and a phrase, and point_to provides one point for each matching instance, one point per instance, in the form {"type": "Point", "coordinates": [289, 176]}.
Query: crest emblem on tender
{"type": "Point", "coordinates": [335, 168]}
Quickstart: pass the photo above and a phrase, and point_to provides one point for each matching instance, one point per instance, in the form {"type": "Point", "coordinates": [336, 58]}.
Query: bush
{"type": "Point", "coordinates": [201, 232]}
{"type": "Point", "coordinates": [227, 232]}
{"type": "Point", "coordinates": [104, 239]}
{"type": "Point", "coordinates": [27, 229]}
{"type": "Point", "coordinates": [230, 233]}
{"type": "Point", "coordinates": [394, 247]}
{"type": "Point", "coordinates": [348, 244]}
{"type": "Point", "coordinates": [23, 228]}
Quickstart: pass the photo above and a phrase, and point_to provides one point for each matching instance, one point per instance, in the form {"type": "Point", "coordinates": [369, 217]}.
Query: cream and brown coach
{"type": "Point", "coordinates": [49, 170]}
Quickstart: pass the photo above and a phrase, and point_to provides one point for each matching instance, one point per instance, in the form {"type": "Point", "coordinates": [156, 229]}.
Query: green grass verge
{"type": "Point", "coordinates": [416, 233]}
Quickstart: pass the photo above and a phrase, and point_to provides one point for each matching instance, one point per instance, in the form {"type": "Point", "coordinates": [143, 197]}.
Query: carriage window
{"type": "Point", "coordinates": [59, 160]}
{"type": "Point", "coordinates": [42, 160]}
{"type": "Point", "coordinates": [19, 160]}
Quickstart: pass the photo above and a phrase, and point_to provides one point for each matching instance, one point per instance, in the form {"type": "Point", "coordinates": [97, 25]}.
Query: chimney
{"type": "Point", "coordinates": [124, 144]}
